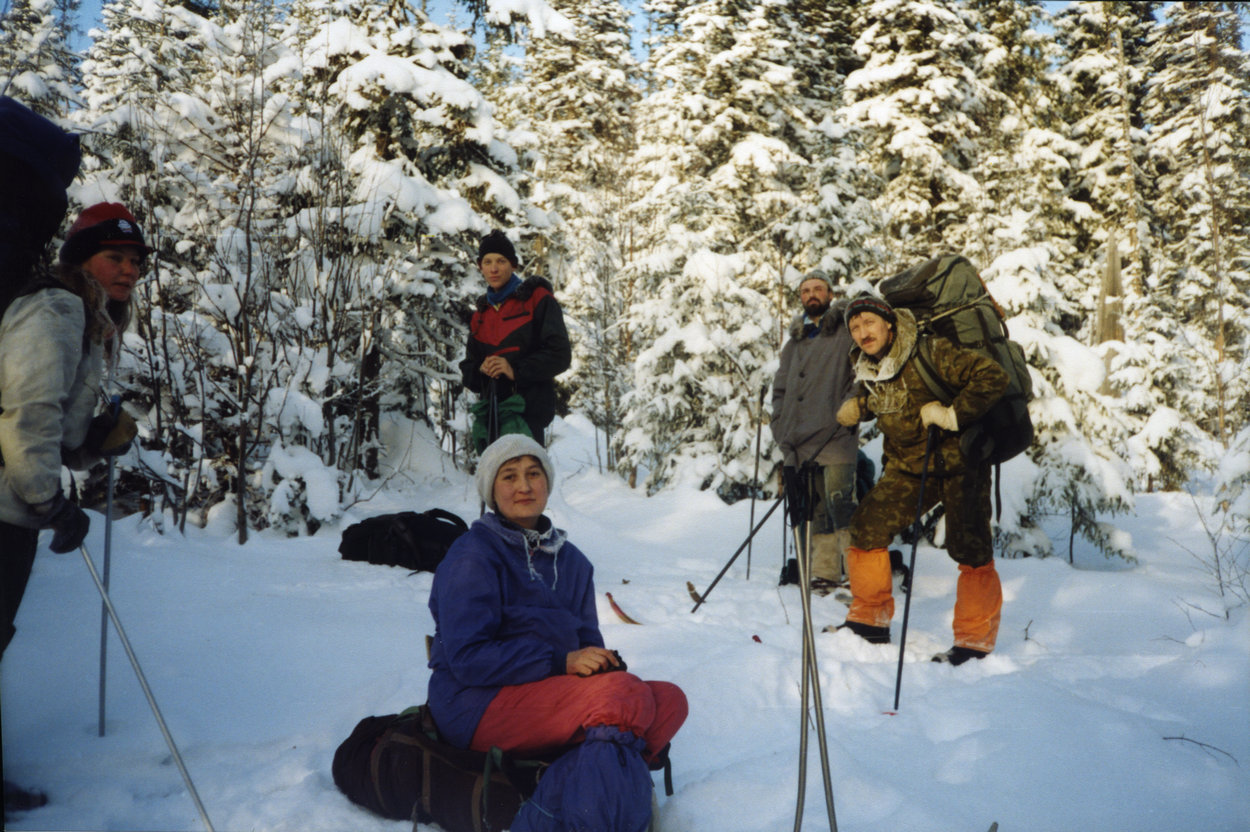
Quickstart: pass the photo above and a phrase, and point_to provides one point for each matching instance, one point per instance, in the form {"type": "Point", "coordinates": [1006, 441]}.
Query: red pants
{"type": "Point", "coordinates": [554, 712]}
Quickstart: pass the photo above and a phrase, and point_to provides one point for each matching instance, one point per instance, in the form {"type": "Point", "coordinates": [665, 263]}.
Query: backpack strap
{"type": "Point", "coordinates": [443, 514]}
{"type": "Point", "coordinates": [929, 374]}
{"type": "Point", "coordinates": [998, 492]}
{"type": "Point", "coordinates": [38, 284]}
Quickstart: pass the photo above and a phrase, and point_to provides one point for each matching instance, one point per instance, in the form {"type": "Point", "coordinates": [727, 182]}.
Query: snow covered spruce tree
{"type": "Point", "coordinates": [1131, 324]}
{"type": "Point", "coordinates": [314, 184]}
{"type": "Point", "coordinates": [572, 114]}
{"type": "Point", "coordinates": [925, 114]}
{"type": "Point", "coordinates": [216, 124]}
{"type": "Point", "coordinates": [140, 59]}
{"type": "Point", "coordinates": [729, 158]}
{"type": "Point", "coordinates": [1074, 472]}
{"type": "Point", "coordinates": [36, 64]}
{"type": "Point", "coordinates": [970, 142]}
{"type": "Point", "coordinates": [1024, 229]}
{"type": "Point", "coordinates": [1198, 108]}
{"type": "Point", "coordinates": [422, 173]}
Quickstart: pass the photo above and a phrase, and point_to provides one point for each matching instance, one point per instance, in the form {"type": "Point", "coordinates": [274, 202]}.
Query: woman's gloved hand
{"type": "Point", "coordinates": [111, 435]}
{"type": "Point", "coordinates": [68, 522]}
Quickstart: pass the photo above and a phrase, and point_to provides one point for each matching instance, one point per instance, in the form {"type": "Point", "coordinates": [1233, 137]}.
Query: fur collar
{"type": "Point", "coordinates": [829, 322]}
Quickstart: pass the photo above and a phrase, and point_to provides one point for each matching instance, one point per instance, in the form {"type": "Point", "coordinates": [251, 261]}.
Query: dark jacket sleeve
{"type": "Point", "coordinates": [779, 394]}
{"type": "Point", "coordinates": [551, 353]}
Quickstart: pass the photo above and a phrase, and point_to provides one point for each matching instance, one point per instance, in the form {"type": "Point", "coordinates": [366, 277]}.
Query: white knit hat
{"type": "Point", "coordinates": [505, 448]}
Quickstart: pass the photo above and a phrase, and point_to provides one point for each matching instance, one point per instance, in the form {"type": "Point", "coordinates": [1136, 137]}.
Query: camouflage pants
{"type": "Point", "coordinates": [890, 507]}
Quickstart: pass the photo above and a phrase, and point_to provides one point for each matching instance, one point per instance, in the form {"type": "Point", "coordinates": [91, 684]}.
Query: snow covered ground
{"type": "Point", "coordinates": [1113, 702]}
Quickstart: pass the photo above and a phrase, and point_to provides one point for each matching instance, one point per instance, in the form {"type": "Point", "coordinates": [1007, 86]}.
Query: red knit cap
{"type": "Point", "coordinates": [103, 225]}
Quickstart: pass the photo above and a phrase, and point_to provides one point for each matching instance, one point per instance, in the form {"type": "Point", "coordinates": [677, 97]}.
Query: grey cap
{"type": "Point", "coordinates": [816, 274]}
{"type": "Point", "coordinates": [505, 448]}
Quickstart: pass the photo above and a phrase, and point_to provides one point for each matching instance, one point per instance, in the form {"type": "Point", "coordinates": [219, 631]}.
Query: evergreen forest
{"type": "Point", "coordinates": [315, 176]}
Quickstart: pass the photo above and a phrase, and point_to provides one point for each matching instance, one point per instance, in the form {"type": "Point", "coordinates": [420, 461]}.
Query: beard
{"type": "Point", "coordinates": [816, 309]}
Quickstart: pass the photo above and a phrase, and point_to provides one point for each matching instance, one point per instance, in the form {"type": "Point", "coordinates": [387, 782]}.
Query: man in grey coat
{"type": "Point", "coordinates": [815, 377]}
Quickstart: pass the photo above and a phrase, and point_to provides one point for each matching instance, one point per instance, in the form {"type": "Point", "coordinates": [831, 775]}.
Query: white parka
{"type": "Point", "coordinates": [50, 380]}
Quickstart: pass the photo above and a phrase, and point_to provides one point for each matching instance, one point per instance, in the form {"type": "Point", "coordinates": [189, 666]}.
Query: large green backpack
{"type": "Point", "coordinates": [950, 300]}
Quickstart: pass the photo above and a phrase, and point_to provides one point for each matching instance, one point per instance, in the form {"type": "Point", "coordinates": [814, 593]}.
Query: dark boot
{"type": "Point", "coordinates": [17, 799]}
{"type": "Point", "coordinates": [900, 570]}
{"type": "Point", "coordinates": [869, 633]}
{"type": "Point", "coordinates": [958, 655]}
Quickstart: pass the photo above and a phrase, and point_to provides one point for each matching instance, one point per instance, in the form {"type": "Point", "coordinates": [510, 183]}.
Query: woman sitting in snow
{"type": "Point", "coordinates": [519, 663]}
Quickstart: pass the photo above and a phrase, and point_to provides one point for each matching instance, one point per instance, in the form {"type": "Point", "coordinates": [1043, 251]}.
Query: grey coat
{"type": "Point", "coordinates": [814, 378]}
{"type": "Point", "coordinates": [49, 387]}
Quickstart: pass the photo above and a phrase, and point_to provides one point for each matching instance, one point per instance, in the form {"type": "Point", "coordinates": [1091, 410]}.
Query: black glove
{"type": "Point", "coordinates": [111, 432]}
{"type": "Point", "coordinates": [68, 522]}
{"type": "Point", "coordinates": [798, 484]}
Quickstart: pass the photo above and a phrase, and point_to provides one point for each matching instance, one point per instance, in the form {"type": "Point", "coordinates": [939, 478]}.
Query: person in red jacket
{"type": "Point", "coordinates": [517, 338]}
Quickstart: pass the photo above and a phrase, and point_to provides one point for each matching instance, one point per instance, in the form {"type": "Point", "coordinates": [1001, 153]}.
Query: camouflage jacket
{"type": "Point", "coordinates": [892, 391]}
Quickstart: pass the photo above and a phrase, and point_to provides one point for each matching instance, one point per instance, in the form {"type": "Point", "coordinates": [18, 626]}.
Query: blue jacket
{"type": "Point", "coordinates": [505, 613]}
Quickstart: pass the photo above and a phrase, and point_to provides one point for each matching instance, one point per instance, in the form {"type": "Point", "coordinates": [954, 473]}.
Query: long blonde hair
{"type": "Point", "coordinates": [107, 319]}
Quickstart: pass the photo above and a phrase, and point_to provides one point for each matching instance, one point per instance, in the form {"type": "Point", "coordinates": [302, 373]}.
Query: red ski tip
{"type": "Point", "coordinates": [619, 612]}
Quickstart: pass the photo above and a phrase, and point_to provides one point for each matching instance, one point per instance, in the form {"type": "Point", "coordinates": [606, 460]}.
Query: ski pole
{"type": "Point", "coordinates": [115, 403]}
{"type": "Point", "coordinates": [930, 441]}
{"type": "Point", "coordinates": [104, 613]}
{"type": "Point", "coordinates": [811, 671]}
{"type": "Point", "coordinates": [755, 478]}
{"type": "Point", "coordinates": [785, 544]}
{"type": "Point", "coordinates": [492, 424]}
{"type": "Point", "coordinates": [725, 569]}
{"type": "Point", "coordinates": [143, 683]}
{"type": "Point", "coordinates": [492, 428]}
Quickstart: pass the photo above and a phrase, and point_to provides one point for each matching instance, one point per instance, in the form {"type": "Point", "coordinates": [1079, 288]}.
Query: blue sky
{"type": "Point", "coordinates": [89, 14]}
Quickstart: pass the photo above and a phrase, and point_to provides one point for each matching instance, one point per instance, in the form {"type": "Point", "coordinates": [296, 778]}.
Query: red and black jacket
{"type": "Point", "coordinates": [528, 330]}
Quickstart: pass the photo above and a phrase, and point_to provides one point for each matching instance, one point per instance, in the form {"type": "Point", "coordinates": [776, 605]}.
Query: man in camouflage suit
{"type": "Point", "coordinates": [890, 389]}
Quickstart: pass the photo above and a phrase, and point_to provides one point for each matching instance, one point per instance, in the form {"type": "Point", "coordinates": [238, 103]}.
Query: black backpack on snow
{"type": "Point", "coordinates": [417, 541]}
{"type": "Point", "coordinates": [950, 300]}
{"type": "Point", "coordinates": [397, 766]}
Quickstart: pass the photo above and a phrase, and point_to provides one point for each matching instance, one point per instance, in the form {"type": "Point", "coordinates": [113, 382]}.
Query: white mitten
{"type": "Point", "coordinates": [848, 414]}
{"type": "Point", "coordinates": [941, 415]}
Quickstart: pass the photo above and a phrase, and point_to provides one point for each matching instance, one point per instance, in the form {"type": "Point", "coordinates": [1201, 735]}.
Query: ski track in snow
{"type": "Point", "coordinates": [263, 658]}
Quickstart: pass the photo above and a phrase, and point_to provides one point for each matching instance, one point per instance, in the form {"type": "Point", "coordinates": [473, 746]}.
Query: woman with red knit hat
{"type": "Point", "coordinates": [54, 339]}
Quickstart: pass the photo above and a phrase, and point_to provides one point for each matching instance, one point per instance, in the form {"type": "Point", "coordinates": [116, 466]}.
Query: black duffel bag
{"type": "Point", "coordinates": [413, 540]}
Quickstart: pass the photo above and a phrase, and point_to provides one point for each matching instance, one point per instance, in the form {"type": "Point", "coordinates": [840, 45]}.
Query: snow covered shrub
{"type": "Point", "coordinates": [304, 491]}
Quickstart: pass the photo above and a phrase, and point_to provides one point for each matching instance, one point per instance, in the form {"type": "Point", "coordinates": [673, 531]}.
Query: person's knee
{"type": "Point", "coordinates": [670, 700]}
{"type": "Point", "coordinates": [620, 698]}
